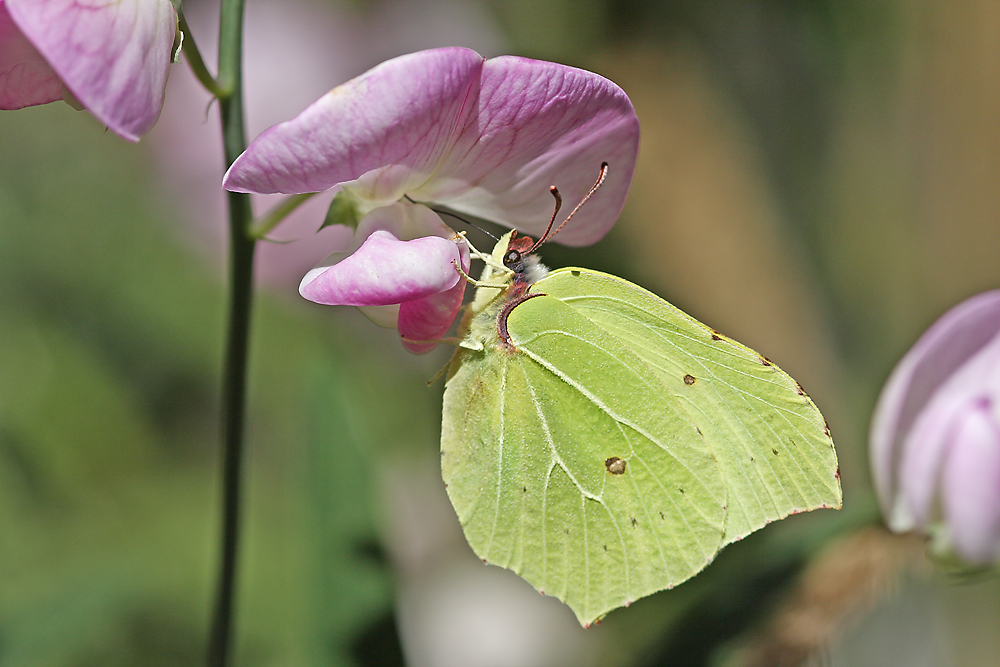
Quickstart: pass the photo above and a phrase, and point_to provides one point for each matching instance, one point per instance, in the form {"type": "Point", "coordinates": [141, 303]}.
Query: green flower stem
{"type": "Point", "coordinates": [261, 226]}
{"type": "Point", "coordinates": [196, 62]}
{"type": "Point", "coordinates": [242, 246]}
{"type": "Point", "coordinates": [233, 416]}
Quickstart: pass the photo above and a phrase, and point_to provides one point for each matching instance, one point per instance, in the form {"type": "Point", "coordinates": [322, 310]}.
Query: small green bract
{"type": "Point", "coordinates": [604, 445]}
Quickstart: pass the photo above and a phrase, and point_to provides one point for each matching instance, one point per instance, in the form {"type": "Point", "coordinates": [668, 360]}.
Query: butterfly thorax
{"type": "Point", "coordinates": [526, 267]}
{"type": "Point", "coordinates": [485, 322]}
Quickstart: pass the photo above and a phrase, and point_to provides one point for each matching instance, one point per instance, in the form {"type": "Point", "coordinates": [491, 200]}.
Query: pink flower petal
{"type": "Point", "coordinates": [384, 271]}
{"type": "Point", "coordinates": [540, 124]}
{"type": "Point", "coordinates": [403, 220]}
{"type": "Point", "coordinates": [432, 316]}
{"type": "Point", "coordinates": [920, 466]}
{"type": "Point", "coordinates": [25, 78]}
{"type": "Point", "coordinates": [931, 440]}
{"type": "Point", "coordinates": [971, 488]}
{"type": "Point", "coordinates": [487, 139]}
{"type": "Point", "coordinates": [944, 347]}
{"type": "Point", "coordinates": [403, 112]}
{"type": "Point", "coordinates": [113, 56]}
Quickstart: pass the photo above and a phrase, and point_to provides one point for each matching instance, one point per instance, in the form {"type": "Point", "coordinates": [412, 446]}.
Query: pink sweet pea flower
{"type": "Point", "coordinates": [111, 57]}
{"type": "Point", "coordinates": [935, 435]}
{"type": "Point", "coordinates": [485, 138]}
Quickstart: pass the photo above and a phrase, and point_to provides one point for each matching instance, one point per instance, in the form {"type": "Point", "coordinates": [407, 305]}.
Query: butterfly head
{"type": "Point", "coordinates": [519, 259]}
{"type": "Point", "coordinates": [518, 249]}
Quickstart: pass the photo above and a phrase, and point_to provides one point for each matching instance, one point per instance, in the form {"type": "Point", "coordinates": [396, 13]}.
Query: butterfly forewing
{"type": "Point", "coordinates": [771, 441]}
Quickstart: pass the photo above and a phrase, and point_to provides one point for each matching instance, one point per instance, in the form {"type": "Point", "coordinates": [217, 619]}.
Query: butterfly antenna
{"type": "Point", "coordinates": [541, 239]}
{"type": "Point", "coordinates": [469, 223]}
{"type": "Point", "coordinates": [555, 193]}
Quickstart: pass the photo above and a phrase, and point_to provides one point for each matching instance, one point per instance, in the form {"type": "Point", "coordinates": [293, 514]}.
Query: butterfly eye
{"type": "Point", "coordinates": [512, 257]}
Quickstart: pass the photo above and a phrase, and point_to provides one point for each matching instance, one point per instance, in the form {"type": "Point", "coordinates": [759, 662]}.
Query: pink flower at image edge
{"type": "Point", "coordinates": [935, 434]}
{"type": "Point", "coordinates": [112, 57]}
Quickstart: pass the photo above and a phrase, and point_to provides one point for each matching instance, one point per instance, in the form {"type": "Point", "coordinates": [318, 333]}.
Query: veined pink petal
{"type": "Point", "coordinates": [944, 347]}
{"type": "Point", "coordinates": [385, 270]}
{"type": "Point", "coordinates": [113, 56]}
{"type": "Point", "coordinates": [403, 112]}
{"type": "Point", "coordinates": [539, 124]}
{"type": "Point", "coordinates": [442, 126]}
{"type": "Point", "coordinates": [432, 316]}
{"type": "Point", "coordinates": [25, 78]}
{"type": "Point", "coordinates": [970, 488]}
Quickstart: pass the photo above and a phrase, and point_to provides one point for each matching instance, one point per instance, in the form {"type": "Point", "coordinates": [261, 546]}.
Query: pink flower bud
{"type": "Point", "coordinates": [935, 435]}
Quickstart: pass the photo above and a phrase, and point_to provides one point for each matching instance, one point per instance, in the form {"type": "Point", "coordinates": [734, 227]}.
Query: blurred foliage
{"type": "Point", "coordinates": [108, 381]}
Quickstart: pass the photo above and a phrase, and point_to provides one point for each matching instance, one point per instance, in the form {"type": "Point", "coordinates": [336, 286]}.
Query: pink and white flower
{"type": "Point", "coordinates": [110, 57]}
{"type": "Point", "coordinates": [484, 138]}
{"type": "Point", "coordinates": [935, 435]}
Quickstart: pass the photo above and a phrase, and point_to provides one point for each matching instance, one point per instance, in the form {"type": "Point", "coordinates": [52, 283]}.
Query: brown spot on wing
{"type": "Point", "coordinates": [615, 465]}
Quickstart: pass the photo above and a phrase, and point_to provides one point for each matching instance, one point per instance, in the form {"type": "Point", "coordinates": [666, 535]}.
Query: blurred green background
{"type": "Point", "coordinates": [819, 180]}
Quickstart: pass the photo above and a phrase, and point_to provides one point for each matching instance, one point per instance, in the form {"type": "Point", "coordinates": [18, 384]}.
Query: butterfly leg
{"type": "Point", "coordinates": [480, 255]}
{"type": "Point", "coordinates": [480, 283]}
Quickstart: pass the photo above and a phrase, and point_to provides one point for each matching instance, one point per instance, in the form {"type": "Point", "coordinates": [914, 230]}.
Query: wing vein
{"type": "Point", "coordinates": [601, 405]}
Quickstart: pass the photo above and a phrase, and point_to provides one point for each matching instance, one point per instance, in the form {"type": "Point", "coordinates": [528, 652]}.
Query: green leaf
{"type": "Point", "coordinates": [614, 444]}
{"type": "Point", "coordinates": [343, 211]}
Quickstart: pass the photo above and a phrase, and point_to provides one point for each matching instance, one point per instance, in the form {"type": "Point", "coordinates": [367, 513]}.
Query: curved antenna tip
{"type": "Point", "coordinates": [555, 193]}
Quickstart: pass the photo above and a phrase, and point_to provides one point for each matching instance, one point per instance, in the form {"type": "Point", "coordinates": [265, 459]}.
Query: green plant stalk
{"type": "Point", "coordinates": [260, 228]}
{"type": "Point", "coordinates": [241, 253]}
{"type": "Point", "coordinates": [195, 61]}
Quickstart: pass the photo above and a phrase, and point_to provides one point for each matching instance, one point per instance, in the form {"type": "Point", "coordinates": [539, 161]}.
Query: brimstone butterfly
{"type": "Point", "coordinates": [604, 445]}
